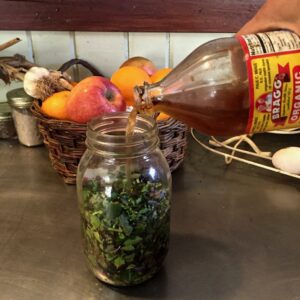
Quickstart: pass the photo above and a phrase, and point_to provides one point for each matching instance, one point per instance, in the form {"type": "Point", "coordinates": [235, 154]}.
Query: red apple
{"type": "Point", "coordinates": [94, 96]}
{"type": "Point", "coordinates": [141, 62]}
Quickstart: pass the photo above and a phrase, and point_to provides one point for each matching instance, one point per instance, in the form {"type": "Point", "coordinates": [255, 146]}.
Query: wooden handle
{"type": "Point", "coordinates": [9, 43]}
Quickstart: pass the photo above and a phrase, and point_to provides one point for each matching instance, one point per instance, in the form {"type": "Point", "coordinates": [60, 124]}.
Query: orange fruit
{"type": "Point", "coordinates": [126, 78]}
{"type": "Point", "coordinates": [160, 74]}
{"type": "Point", "coordinates": [55, 105]}
{"type": "Point", "coordinates": [162, 116]}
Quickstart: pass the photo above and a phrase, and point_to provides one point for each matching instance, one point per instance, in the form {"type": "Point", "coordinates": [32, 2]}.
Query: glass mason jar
{"type": "Point", "coordinates": [7, 127]}
{"type": "Point", "coordinates": [25, 123]}
{"type": "Point", "coordinates": [124, 191]}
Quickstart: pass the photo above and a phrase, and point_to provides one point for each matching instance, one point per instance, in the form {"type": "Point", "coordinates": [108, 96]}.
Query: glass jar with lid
{"type": "Point", "coordinates": [124, 191]}
{"type": "Point", "coordinates": [7, 127]}
{"type": "Point", "coordinates": [25, 123]}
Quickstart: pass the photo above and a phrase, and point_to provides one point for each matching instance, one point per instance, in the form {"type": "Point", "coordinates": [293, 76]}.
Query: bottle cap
{"type": "Point", "coordinates": [19, 99]}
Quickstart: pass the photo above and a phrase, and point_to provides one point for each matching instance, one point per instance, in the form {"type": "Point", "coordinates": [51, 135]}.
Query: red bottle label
{"type": "Point", "coordinates": [273, 64]}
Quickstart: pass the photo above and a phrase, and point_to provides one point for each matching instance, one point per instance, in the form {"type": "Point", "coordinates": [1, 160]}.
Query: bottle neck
{"type": "Point", "coordinates": [146, 96]}
{"type": "Point", "coordinates": [151, 92]}
{"type": "Point", "coordinates": [106, 135]}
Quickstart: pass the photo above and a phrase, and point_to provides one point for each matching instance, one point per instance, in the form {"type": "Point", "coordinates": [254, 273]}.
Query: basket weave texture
{"type": "Point", "coordinates": [65, 141]}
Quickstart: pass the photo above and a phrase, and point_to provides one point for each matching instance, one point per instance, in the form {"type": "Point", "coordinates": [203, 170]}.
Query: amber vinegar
{"type": "Point", "coordinates": [227, 118]}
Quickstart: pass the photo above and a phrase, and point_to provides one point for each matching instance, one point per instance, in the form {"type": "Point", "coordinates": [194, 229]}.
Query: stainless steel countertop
{"type": "Point", "coordinates": [234, 234]}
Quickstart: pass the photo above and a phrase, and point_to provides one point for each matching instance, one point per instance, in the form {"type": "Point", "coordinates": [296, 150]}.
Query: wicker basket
{"type": "Point", "coordinates": [65, 141]}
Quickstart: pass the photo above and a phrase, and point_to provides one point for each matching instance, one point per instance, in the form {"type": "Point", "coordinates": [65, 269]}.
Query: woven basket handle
{"type": "Point", "coordinates": [77, 61]}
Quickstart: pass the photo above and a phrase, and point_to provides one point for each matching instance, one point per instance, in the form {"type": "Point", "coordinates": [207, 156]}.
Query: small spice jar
{"type": "Point", "coordinates": [124, 191]}
{"type": "Point", "coordinates": [7, 127]}
{"type": "Point", "coordinates": [25, 123]}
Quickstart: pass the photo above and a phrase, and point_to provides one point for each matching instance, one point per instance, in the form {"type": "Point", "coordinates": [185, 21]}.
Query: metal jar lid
{"type": "Point", "coordinates": [5, 113]}
{"type": "Point", "coordinates": [19, 99]}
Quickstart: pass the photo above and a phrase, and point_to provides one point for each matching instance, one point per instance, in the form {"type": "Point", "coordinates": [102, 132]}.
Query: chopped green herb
{"type": "Point", "coordinates": [126, 231]}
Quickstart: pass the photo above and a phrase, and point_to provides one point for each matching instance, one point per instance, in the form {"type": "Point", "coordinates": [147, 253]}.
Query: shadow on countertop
{"type": "Point", "coordinates": [194, 266]}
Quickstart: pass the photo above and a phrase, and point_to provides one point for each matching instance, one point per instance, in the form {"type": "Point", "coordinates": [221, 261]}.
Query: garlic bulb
{"type": "Point", "coordinates": [31, 78]}
{"type": "Point", "coordinates": [288, 160]}
{"type": "Point", "coordinates": [40, 83]}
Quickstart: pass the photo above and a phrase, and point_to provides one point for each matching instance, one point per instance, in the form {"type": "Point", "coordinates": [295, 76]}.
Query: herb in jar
{"type": "Point", "coordinates": [125, 226]}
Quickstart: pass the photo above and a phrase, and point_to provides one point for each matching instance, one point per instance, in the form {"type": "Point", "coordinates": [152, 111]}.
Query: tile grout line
{"type": "Point", "coordinates": [74, 55]}
{"type": "Point", "coordinates": [168, 51]}
{"type": "Point", "coordinates": [30, 50]}
{"type": "Point", "coordinates": [126, 46]}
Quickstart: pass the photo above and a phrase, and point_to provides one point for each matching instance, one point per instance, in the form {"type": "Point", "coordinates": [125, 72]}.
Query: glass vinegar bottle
{"type": "Point", "coordinates": [235, 85]}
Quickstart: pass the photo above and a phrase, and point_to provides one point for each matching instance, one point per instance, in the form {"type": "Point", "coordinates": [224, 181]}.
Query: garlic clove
{"type": "Point", "coordinates": [288, 160]}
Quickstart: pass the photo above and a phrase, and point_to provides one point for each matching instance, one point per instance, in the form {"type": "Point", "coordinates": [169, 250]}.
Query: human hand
{"type": "Point", "coordinates": [274, 15]}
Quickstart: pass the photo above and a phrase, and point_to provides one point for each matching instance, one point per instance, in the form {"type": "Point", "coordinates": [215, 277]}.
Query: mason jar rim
{"type": "Point", "coordinates": [106, 135]}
